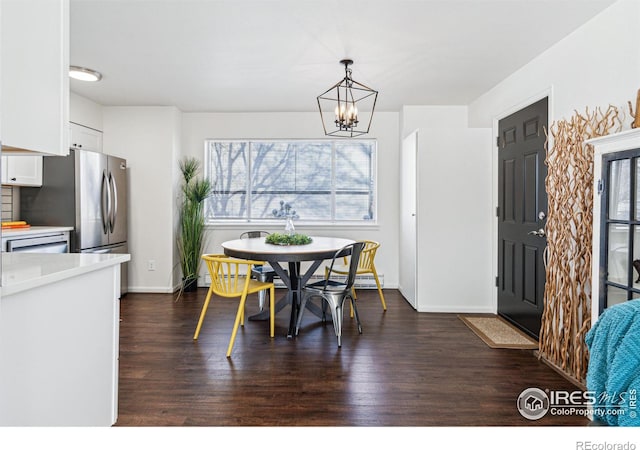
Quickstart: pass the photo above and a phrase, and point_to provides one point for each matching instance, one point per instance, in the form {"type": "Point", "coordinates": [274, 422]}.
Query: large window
{"type": "Point", "coordinates": [324, 181]}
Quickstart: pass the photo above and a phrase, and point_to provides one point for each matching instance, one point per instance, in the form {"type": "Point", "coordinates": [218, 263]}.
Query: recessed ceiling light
{"type": "Point", "coordinates": [84, 74]}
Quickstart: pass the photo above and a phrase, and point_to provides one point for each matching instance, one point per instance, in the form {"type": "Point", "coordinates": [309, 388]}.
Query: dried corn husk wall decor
{"type": "Point", "coordinates": [567, 299]}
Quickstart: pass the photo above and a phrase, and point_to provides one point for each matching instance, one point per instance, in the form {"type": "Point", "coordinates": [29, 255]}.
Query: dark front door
{"type": "Point", "coordinates": [522, 209]}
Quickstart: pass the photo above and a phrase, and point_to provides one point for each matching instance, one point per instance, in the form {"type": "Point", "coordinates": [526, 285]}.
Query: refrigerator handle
{"type": "Point", "coordinates": [105, 203]}
{"type": "Point", "coordinates": [114, 209]}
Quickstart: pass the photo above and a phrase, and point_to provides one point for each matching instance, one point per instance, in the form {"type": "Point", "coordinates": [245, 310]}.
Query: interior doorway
{"type": "Point", "coordinates": [522, 210]}
{"type": "Point", "coordinates": [408, 227]}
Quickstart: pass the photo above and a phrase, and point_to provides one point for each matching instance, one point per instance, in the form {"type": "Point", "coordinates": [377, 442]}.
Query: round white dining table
{"type": "Point", "coordinates": [320, 249]}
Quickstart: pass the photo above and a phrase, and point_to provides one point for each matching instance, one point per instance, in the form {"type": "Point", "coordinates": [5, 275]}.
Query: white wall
{"type": "Point", "coordinates": [85, 112]}
{"type": "Point", "coordinates": [454, 212]}
{"type": "Point", "coordinates": [148, 137]}
{"type": "Point", "coordinates": [413, 117]}
{"type": "Point", "coordinates": [595, 66]}
{"type": "Point", "coordinates": [196, 127]}
{"type": "Point", "coordinates": [454, 220]}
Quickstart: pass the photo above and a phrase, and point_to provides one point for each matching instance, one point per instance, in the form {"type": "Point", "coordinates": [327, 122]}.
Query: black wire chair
{"type": "Point", "coordinates": [264, 272]}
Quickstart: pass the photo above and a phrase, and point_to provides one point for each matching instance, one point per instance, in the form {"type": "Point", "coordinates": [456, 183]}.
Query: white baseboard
{"type": "Point", "coordinates": [150, 290]}
{"type": "Point", "coordinates": [457, 309]}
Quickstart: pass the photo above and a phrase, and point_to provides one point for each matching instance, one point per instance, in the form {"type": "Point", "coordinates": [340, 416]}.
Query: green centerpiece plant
{"type": "Point", "coordinates": [190, 239]}
{"type": "Point", "coordinates": [288, 239]}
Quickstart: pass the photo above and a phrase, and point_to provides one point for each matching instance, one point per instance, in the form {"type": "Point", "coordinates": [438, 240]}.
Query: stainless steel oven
{"type": "Point", "coordinates": [55, 243]}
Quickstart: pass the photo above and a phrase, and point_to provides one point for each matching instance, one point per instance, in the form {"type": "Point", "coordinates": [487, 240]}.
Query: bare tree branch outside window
{"type": "Point", "coordinates": [326, 181]}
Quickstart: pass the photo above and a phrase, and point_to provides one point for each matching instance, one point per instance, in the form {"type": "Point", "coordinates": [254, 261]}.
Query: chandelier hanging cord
{"type": "Point", "coordinates": [347, 72]}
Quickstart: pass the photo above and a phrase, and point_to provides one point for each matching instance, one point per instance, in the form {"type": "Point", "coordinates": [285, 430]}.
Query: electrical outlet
{"type": "Point", "coordinates": [151, 265]}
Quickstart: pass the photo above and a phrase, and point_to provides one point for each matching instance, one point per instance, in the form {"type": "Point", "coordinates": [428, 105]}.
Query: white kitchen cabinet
{"type": "Point", "coordinates": [22, 170]}
{"type": "Point", "coordinates": [84, 138]}
{"type": "Point", "coordinates": [34, 81]}
{"type": "Point", "coordinates": [59, 339]}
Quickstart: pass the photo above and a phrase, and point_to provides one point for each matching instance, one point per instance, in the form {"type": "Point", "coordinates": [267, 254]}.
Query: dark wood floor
{"type": "Point", "coordinates": [406, 369]}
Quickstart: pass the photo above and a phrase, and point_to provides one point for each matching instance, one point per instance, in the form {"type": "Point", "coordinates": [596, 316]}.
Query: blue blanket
{"type": "Point", "coordinates": [614, 364]}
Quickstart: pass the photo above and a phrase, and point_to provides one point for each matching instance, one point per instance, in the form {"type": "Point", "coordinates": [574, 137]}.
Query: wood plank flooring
{"type": "Point", "coordinates": [406, 369]}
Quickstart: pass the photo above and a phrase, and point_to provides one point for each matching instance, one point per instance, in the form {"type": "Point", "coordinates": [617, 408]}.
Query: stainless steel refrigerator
{"type": "Point", "coordinates": [88, 191]}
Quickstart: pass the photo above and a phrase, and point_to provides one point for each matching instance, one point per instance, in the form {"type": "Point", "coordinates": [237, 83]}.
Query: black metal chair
{"type": "Point", "coordinates": [335, 292]}
{"type": "Point", "coordinates": [254, 234]}
{"type": "Point", "coordinates": [264, 272]}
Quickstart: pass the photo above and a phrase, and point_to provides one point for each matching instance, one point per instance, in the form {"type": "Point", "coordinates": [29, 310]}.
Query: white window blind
{"type": "Point", "coordinates": [324, 181]}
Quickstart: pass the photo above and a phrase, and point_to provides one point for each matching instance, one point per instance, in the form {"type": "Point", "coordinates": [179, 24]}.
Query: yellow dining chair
{"type": "Point", "coordinates": [229, 280]}
{"type": "Point", "coordinates": [365, 265]}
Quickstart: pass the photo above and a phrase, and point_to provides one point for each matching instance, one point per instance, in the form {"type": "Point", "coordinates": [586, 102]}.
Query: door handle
{"type": "Point", "coordinates": [539, 233]}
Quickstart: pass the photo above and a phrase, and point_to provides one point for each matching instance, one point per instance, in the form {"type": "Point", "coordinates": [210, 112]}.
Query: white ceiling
{"type": "Point", "coordinates": [278, 55]}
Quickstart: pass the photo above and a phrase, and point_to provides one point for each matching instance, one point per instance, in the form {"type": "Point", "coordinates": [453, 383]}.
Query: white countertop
{"type": "Point", "coordinates": [23, 271]}
{"type": "Point", "coordinates": [16, 232]}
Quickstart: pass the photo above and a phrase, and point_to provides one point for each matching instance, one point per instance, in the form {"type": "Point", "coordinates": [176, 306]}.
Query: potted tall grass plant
{"type": "Point", "coordinates": [191, 227]}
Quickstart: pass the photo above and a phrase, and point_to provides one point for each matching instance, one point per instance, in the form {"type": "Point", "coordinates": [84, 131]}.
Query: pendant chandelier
{"type": "Point", "coordinates": [346, 108]}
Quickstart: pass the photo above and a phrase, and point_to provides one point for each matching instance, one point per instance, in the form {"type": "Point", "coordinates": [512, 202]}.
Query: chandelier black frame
{"type": "Point", "coordinates": [345, 99]}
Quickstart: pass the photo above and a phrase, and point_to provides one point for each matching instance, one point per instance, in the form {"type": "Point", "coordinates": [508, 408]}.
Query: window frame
{"type": "Point", "coordinates": [631, 221]}
{"type": "Point", "coordinates": [235, 221]}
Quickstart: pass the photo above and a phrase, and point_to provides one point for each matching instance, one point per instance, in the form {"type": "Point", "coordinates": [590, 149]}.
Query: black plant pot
{"type": "Point", "coordinates": [189, 285]}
